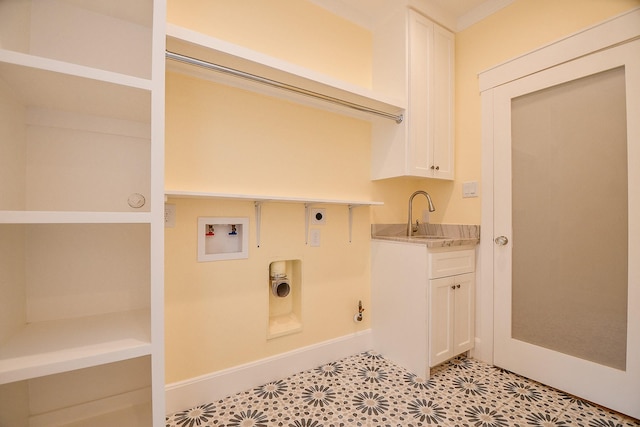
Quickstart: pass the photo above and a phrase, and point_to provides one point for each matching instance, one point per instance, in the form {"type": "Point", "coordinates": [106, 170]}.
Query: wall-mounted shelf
{"type": "Point", "coordinates": [53, 217]}
{"type": "Point", "coordinates": [50, 347]}
{"type": "Point", "coordinates": [258, 200]}
{"type": "Point", "coordinates": [175, 194]}
{"type": "Point", "coordinates": [209, 50]}
{"type": "Point", "coordinates": [54, 77]}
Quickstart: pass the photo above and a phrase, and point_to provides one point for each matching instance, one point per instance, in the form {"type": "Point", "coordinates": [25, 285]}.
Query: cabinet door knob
{"type": "Point", "coordinates": [453, 287]}
{"type": "Point", "coordinates": [432, 167]}
{"type": "Point", "coordinates": [458, 286]}
{"type": "Point", "coordinates": [437, 168]}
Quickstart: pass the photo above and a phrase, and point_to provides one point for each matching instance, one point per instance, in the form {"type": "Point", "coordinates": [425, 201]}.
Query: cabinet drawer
{"type": "Point", "coordinates": [443, 264]}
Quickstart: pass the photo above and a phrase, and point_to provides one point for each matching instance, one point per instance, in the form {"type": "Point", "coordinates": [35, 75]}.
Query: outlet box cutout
{"type": "Point", "coordinates": [318, 216]}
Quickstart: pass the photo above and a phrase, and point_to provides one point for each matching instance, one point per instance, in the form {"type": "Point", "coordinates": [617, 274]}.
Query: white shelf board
{"type": "Point", "coordinates": [261, 198]}
{"type": "Point", "coordinates": [53, 84]}
{"type": "Point", "coordinates": [127, 409]}
{"type": "Point", "coordinates": [54, 217]}
{"type": "Point", "coordinates": [45, 348]}
{"type": "Point", "coordinates": [209, 49]}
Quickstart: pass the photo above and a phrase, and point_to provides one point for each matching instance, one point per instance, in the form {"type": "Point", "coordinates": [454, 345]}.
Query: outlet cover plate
{"type": "Point", "coordinates": [169, 215]}
{"type": "Point", "coordinates": [314, 240]}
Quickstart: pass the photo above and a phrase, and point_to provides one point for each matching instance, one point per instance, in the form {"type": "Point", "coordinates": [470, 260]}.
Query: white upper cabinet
{"type": "Point", "coordinates": [423, 145]}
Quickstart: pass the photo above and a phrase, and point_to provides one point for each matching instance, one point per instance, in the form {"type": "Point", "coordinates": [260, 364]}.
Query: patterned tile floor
{"type": "Point", "coordinates": [369, 390]}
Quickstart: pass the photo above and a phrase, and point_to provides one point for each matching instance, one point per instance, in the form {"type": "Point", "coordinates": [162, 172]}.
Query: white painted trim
{"type": "Point", "coordinates": [484, 270]}
{"type": "Point", "coordinates": [217, 385]}
{"type": "Point", "coordinates": [619, 29]}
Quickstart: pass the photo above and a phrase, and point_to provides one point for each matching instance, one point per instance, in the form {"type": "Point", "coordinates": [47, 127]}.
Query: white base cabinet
{"type": "Point", "coordinates": [417, 319]}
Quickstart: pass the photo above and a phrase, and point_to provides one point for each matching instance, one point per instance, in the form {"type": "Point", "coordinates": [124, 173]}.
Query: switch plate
{"type": "Point", "coordinates": [470, 189]}
{"type": "Point", "coordinates": [318, 216]}
{"type": "Point", "coordinates": [425, 216]}
{"type": "Point", "coordinates": [169, 215]}
{"type": "Point", "coordinates": [315, 238]}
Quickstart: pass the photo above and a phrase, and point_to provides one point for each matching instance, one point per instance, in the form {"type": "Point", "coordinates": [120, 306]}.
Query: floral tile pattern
{"type": "Point", "coordinates": [367, 390]}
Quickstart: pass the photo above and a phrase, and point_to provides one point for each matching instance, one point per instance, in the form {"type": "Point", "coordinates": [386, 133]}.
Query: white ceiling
{"type": "Point", "coordinates": [453, 14]}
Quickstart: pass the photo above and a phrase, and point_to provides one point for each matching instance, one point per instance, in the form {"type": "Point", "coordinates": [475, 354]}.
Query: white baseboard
{"type": "Point", "coordinates": [217, 385]}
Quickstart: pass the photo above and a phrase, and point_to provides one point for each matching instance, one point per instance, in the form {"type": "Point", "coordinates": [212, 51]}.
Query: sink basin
{"type": "Point", "coordinates": [422, 236]}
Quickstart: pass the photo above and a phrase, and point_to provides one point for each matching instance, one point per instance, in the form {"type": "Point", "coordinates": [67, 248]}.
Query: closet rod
{"type": "Point", "coordinates": [398, 118]}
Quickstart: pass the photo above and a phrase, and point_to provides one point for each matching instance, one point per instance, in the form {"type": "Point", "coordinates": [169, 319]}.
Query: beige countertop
{"type": "Point", "coordinates": [431, 235]}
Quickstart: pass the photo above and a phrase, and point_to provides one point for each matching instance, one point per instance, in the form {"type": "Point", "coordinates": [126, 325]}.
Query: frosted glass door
{"type": "Point", "coordinates": [566, 217]}
{"type": "Point", "coordinates": [569, 206]}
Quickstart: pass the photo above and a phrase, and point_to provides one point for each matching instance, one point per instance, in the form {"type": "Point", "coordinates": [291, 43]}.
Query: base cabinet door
{"type": "Point", "coordinates": [464, 313]}
{"type": "Point", "coordinates": [451, 317]}
{"type": "Point", "coordinates": [441, 319]}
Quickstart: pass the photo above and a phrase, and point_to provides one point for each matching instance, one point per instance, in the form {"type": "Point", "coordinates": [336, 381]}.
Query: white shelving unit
{"type": "Point", "coordinates": [210, 50]}
{"type": "Point", "coordinates": [81, 145]}
{"type": "Point", "coordinates": [258, 200]}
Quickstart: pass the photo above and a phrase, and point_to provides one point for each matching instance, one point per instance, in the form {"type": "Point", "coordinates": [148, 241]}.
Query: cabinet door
{"type": "Point", "coordinates": [464, 313]}
{"type": "Point", "coordinates": [441, 319]}
{"type": "Point", "coordinates": [430, 115]}
{"type": "Point", "coordinates": [420, 113]}
{"type": "Point", "coordinates": [442, 104]}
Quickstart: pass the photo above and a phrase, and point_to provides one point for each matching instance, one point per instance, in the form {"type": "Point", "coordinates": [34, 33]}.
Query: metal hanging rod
{"type": "Point", "coordinates": [398, 118]}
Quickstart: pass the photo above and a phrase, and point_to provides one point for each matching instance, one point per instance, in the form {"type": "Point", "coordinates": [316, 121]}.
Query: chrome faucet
{"type": "Point", "coordinates": [431, 209]}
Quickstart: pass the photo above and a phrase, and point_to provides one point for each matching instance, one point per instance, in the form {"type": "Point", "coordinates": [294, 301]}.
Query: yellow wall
{"type": "Point", "coordinates": [293, 30]}
{"type": "Point", "coordinates": [515, 30]}
{"type": "Point", "coordinates": [217, 312]}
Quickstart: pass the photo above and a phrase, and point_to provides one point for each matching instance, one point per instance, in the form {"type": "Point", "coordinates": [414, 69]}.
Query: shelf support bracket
{"type": "Point", "coordinates": [258, 206]}
{"type": "Point", "coordinates": [307, 206]}
{"type": "Point", "coordinates": [350, 221]}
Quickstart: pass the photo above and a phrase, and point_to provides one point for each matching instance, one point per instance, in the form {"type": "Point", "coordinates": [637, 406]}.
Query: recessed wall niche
{"type": "Point", "coordinates": [285, 298]}
{"type": "Point", "coordinates": [222, 238]}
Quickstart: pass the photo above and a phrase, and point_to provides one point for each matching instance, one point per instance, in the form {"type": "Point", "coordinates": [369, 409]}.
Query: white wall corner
{"type": "Point", "coordinates": [217, 385]}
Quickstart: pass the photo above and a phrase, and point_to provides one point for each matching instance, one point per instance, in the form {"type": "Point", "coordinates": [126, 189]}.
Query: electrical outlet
{"type": "Point", "coordinates": [315, 238]}
{"type": "Point", "coordinates": [318, 216]}
{"type": "Point", "coordinates": [425, 216]}
{"type": "Point", "coordinates": [169, 215]}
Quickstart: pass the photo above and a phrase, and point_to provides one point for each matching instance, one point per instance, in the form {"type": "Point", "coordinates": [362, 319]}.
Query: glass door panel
{"type": "Point", "coordinates": [569, 213]}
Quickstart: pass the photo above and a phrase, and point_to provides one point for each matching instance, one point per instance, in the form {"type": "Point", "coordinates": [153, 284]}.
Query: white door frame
{"type": "Point", "coordinates": [612, 32]}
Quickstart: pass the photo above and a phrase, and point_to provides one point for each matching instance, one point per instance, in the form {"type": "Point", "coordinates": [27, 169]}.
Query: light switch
{"type": "Point", "coordinates": [470, 189]}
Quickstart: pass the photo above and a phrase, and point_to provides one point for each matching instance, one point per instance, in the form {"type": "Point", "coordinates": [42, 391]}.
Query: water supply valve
{"type": "Point", "coordinates": [358, 316]}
